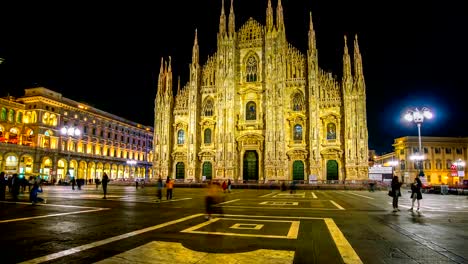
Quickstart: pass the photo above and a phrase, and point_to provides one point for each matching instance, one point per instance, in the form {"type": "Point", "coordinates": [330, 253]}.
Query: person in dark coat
{"type": "Point", "coordinates": [159, 186]}
{"type": "Point", "coordinates": [396, 192]}
{"type": "Point", "coordinates": [105, 180]}
{"type": "Point", "coordinates": [15, 183]}
{"type": "Point", "coordinates": [33, 195]}
{"type": "Point", "coordinates": [416, 192]}
{"type": "Point", "coordinates": [3, 184]}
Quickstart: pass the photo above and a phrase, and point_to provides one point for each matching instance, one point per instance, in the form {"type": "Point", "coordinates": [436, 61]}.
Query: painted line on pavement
{"type": "Point", "coordinates": [105, 241]}
{"type": "Point", "coordinates": [360, 195]}
{"type": "Point", "coordinates": [283, 208]}
{"type": "Point", "coordinates": [337, 205]}
{"type": "Point", "coordinates": [268, 194]}
{"type": "Point", "coordinates": [346, 250]}
{"type": "Point", "coordinates": [271, 216]}
{"type": "Point", "coordinates": [313, 195]}
{"type": "Point", "coordinates": [53, 205]}
{"type": "Point", "coordinates": [231, 201]}
{"type": "Point", "coordinates": [51, 215]}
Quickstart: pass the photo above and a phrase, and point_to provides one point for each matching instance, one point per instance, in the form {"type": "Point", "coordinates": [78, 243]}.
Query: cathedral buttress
{"type": "Point", "coordinates": [313, 101]}
{"type": "Point", "coordinates": [193, 132]}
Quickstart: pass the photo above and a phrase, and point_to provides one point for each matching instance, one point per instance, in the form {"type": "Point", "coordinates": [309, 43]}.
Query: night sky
{"type": "Point", "coordinates": [415, 53]}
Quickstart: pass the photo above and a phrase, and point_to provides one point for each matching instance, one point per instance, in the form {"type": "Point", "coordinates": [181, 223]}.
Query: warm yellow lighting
{"type": "Point", "coordinates": [82, 107]}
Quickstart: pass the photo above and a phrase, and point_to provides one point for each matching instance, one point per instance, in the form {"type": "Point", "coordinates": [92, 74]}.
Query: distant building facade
{"type": "Point", "coordinates": [31, 142]}
{"type": "Point", "coordinates": [439, 155]}
{"type": "Point", "coordinates": [259, 109]}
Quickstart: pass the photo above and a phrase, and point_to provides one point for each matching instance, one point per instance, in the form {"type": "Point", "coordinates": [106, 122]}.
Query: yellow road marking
{"type": "Point", "coordinates": [246, 226]}
{"type": "Point", "coordinates": [231, 201]}
{"type": "Point", "coordinates": [313, 195]}
{"type": "Point", "coordinates": [173, 253]}
{"type": "Point", "coordinates": [279, 203]}
{"type": "Point", "coordinates": [105, 241]}
{"type": "Point", "coordinates": [51, 215]}
{"type": "Point", "coordinates": [285, 208]}
{"type": "Point", "coordinates": [292, 233]}
{"type": "Point", "coordinates": [337, 205]}
{"type": "Point", "coordinates": [346, 250]}
{"type": "Point", "coordinates": [53, 205]}
{"type": "Point", "coordinates": [360, 195]}
{"type": "Point", "coordinates": [269, 194]}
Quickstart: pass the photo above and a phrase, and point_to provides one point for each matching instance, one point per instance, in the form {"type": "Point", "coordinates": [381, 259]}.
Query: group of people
{"type": "Point", "coordinates": [416, 194]}
{"type": "Point", "coordinates": [169, 188]}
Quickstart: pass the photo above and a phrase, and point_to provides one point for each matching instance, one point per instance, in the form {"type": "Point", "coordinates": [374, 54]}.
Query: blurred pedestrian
{"type": "Point", "coordinates": [136, 184]}
{"type": "Point", "coordinates": [105, 180]}
{"type": "Point", "coordinates": [73, 183]}
{"type": "Point", "coordinates": [169, 188]}
{"type": "Point", "coordinates": [3, 184]}
{"type": "Point", "coordinates": [15, 185]}
{"type": "Point", "coordinates": [224, 186]}
{"type": "Point", "coordinates": [212, 197]}
{"type": "Point", "coordinates": [229, 185]}
{"type": "Point", "coordinates": [395, 192]}
{"type": "Point", "coordinates": [159, 186]}
{"type": "Point", "coordinates": [33, 194]}
{"type": "Point", "coordinates": [416, 192]}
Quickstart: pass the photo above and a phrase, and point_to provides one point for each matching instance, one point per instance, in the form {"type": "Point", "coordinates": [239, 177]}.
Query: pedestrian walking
{"type": "Point", "coordinates": [229, 185]}
{"type": "Point", "coordinates": [224, 186]}
{"type": "Point", "coordinates": [73, 183]}
{"type": "Point", "coordinates": [136, 184]}
{"type": "Point", "coordinates": [169, 187]}
{"type": "Point", "coordinates": [105, 180]}
{"type": "Point", "coordinates": [3, 184]}
{"type": "Point", "coordinates": [395, 192]}
{"type": "Point", "coordinates": [416, 193]}
{"type": "Point", "coordinates": [159, 186]}
{"type": "Point", "coordinates": [15, 183]}
{"type": "Point", "coordinates": [213, 196]}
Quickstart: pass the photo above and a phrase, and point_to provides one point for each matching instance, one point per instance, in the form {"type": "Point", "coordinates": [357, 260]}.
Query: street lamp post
{"type": "Point", "coordinates": [70, 132]}
{"type": "Point", "coordinates": [417, 116]}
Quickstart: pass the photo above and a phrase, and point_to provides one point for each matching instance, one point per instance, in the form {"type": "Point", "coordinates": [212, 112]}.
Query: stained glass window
{"type": "Point", "coordinates": [180, 137]}
{"type": "Point", "coordinates": [251, 69]}
{"type": "Point", "coordinates": [208, 109]}
{"type": "Point", "coordinates": [298, 102]}
{"type": "Point", "coordinates": [297, 132]}
{"type": "Point", "coordinates": [251, 111]}
{"type": "Point", "coordinates": [207, 137]}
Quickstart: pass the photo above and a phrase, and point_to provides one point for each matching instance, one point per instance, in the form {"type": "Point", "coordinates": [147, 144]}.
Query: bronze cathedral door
{"type": "Point", "coordinates": [250, 168]}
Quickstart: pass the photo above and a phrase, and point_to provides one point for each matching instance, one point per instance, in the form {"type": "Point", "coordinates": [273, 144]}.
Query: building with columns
{"type": "Point", "coordinates": [31, 142]}
{"type": "Point", "coordinates": [259, 109]}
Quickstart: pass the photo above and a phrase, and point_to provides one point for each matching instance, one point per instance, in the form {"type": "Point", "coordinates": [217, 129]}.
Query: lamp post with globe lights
{"type": "Point", "coordinates": [70, 132]}
{"type": "Point", "coordinates": [417, 116]}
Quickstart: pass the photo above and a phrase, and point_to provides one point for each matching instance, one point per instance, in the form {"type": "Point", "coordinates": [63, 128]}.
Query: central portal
{"type": "Point", "coordinates": [250, 170]}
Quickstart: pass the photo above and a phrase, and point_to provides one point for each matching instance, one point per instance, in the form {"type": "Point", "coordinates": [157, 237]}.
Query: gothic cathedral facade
{"type": "Point", "coordinates": [261, 110]}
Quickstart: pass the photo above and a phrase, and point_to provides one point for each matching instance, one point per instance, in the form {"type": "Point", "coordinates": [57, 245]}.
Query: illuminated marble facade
{"type": "Point", "coordinates": [259, 109]}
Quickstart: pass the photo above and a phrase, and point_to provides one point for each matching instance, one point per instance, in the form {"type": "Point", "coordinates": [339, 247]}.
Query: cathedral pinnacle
{"type": "Point", "coordinates": [279, 17]}
{"type": "Point", "coordinates": [312, 43]}
{"type": "Point", "coordinates": [232, 20]}
{"type": "Point", "coordinates": [269, 17]}
{"type": "Point", "coordinates": [222, 20]}
{"type": "Point", "coordinates": [346, 62]}
{"type": "Point", "coordinates": [357, 59]}
{"type": "Point", "coordinates": [195, 50]}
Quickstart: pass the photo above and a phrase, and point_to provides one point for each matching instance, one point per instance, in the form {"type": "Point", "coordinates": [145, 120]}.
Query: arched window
{"type": "Point", "coordinates": [251, 69]}
{"type": "Point", "coordinates": [298, 102]}
{"type": "Point", "coordinates": [45, 118]}
{"type": "Point", "coordinates": [251, 111]}
{"type": "Point", "coordinates": [19, 117]}
{"type": "Point", "coordinates": [180, 137]}
{"type": "Point", "coordinates": [297, 132]}
{"type": "Point", "coordinates": [208, 107]}
{"type": "Point", "coordinates": [53, 120]}
{"type": "Point", "coordinates": [3, 114]}
{"type": "Point", "coordinates": [11, 115]}
{"type": "Point", "coordinates": [207, 136]}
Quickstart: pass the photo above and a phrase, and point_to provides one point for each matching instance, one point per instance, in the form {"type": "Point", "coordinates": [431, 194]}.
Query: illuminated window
{"type": "Point", "coordinates": [19, 117]}
{"type": "Point", "coordinates": [297, 132]}
{"type": "Point", "coordinates": [208, 108]}
{"type": "Point", "coordinates": [180, 137]}
{"type": "Point", "coordinates": [437, 150]}
{"type": "Point", "coordinates": [448, 164]}
{"type": "Point", "coordinates": [3, 114]}
{"type": "Point", "coordinates": [251, 111]}
{"type": "Point", "coordinates": [251, 69]}
{"type": "Point", "coordinates": [438, 164]}
{"type": "Point", "coordinates": [11, 115]}
{"type": "Point", "coordinates": [207, 136]}
{"type": "Point", "coordinates": [298, 102]}
{"type": "Point", "coordinates": [331, 131]}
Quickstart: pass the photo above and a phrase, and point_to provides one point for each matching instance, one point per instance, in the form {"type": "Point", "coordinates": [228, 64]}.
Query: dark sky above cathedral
{"type": "Point", "coordinates": [108, 54]}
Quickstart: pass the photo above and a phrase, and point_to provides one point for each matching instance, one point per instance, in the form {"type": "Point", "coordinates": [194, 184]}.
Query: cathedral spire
{"type": "Point", "coordinates": [161, 78]}
{"type": "Point", "coordinates": [232, 20]}
{"type": "Point", "coordinates": [269, 17]}
{"type": "Point", "coordinates": [222, 21]}
{"type": "Point", "coordinates": [312, 42]}
{"type": "Point", "coordinates": [195, 50]}
{"type": "Point", "coordinates": [279, 17]}
{"type": "Point", "coordinates": [358, 72]}
{"type": "Point", "coordinates": [169, 78]}
{"type": "Point", "coordinates": [178, 85]}
{"type": "Point", "coordinates": [346, 62]}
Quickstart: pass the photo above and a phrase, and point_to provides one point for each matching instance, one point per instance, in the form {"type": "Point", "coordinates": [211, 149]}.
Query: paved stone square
{"type": "Point", "coordinates": [256, 226]}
